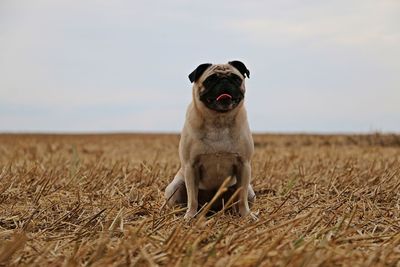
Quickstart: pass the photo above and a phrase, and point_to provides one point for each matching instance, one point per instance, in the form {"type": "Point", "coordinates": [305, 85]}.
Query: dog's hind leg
{"type": "Point", "coordinates": [175, 193]}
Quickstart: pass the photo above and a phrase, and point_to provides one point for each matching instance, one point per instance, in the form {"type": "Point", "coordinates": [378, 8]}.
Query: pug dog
{"type": "Point", "coordinates": [216, 142]}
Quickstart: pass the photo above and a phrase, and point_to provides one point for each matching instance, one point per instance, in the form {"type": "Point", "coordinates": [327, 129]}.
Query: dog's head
{"type": "Point", "coordinates": [219, 87]}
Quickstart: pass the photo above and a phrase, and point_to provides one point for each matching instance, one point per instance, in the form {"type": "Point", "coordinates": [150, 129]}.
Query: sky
{"type": "Point", "coordinates": [122, 66]}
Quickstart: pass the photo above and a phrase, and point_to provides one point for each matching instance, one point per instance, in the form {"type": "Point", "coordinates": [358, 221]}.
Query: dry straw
{"type": "Point", "coordinates": [98, 201]}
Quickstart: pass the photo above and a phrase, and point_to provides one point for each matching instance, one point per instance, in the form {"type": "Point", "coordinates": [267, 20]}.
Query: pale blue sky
{"type": "Point", "coordinates": [86, 66]}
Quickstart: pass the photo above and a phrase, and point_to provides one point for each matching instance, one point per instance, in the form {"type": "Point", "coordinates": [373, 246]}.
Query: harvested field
{"type": "Point", "coordinates": [79, 200]}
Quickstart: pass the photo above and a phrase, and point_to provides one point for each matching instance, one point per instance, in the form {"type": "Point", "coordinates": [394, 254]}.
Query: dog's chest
{"type": "Point", "coordinates": [219, 141]}
{"type": "Point", "coordinates": [214, 168]}
{"type": "Point", "coordinates": [218, 160]}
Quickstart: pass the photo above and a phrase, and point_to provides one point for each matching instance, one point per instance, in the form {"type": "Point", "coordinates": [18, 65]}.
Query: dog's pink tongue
{"type": "Point", "coordinates": [224, 96]}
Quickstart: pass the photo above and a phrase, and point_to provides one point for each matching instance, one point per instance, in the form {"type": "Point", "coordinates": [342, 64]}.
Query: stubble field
{"type": "Point", "coordinates": [82, 200]}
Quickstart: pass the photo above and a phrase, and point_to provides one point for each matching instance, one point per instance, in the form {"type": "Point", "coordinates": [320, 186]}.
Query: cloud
{"type": "Point", "coordinates": [343, 23]}
{"type": "Point", "coordinates": [81, 65]}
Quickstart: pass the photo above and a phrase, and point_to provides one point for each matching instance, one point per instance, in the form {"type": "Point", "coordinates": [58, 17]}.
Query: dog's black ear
{"type": "Point", "coordinates": [240, 67]}
{"type": "Point", "coordinates": [195, 75]}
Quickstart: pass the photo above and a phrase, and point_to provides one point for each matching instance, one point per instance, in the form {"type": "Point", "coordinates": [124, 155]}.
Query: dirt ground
{"type": "Point", "coordinates": [80, 200]}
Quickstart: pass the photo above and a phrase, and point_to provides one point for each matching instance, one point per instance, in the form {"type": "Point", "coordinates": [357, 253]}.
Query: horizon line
{"type": "Point", "coordinates": [322, 133]}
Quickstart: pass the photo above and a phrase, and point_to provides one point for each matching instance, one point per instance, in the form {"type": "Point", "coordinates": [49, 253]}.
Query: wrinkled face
{"type": "Point", "coordinates": [222, 92]}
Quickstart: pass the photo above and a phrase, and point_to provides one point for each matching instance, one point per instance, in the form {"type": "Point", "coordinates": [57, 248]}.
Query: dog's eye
{"type": "Point", "coordinates": [236, 79]}
{"type": "Point", "coordinates": [210, 81]}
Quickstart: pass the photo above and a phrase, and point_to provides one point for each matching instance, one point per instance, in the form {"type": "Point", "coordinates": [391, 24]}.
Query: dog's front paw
{"type": "Point", "coordinates": [247, 213]}
{"type": "Point", "coordinates": [189, 215]}
{"type": "Point", "coordinates": [253, 216]}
